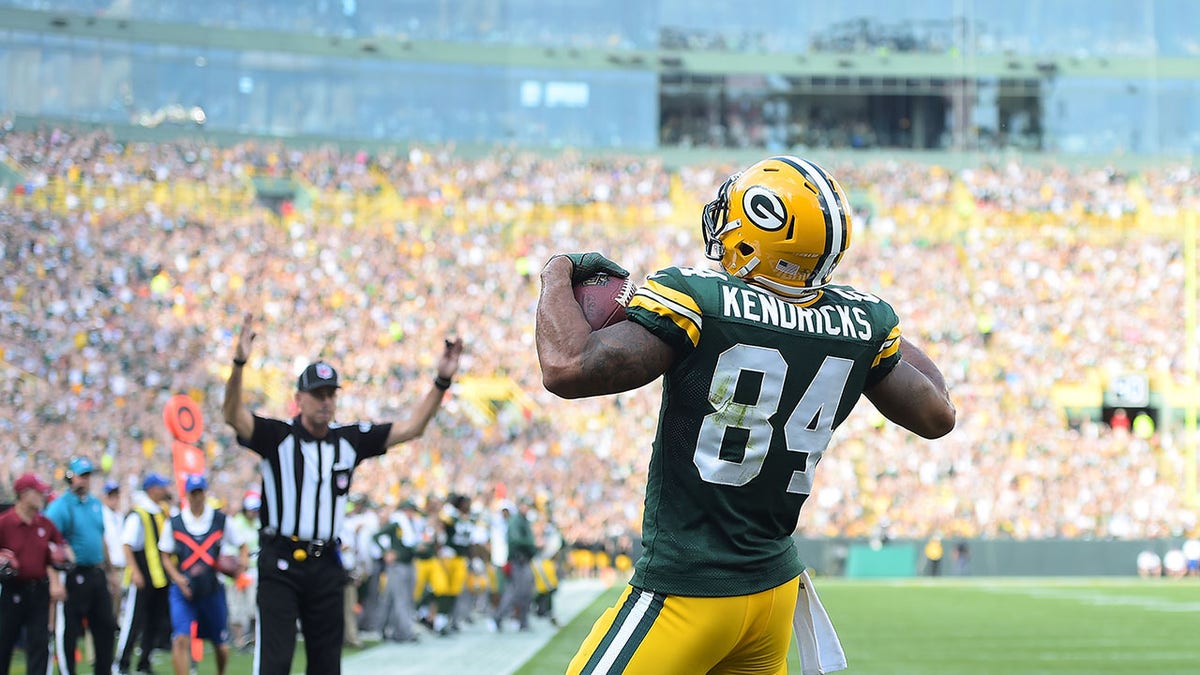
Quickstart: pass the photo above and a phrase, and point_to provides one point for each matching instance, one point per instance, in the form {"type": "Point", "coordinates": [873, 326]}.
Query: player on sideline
{"type": "Point", "coordinates": [762, 360]}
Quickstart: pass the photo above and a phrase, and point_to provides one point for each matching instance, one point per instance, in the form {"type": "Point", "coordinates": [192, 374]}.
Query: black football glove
{"type": "Point", "coordinates": [587, 265]}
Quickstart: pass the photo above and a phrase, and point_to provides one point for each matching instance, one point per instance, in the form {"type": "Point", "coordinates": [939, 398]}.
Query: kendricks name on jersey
{"type": "Point", "coordinates": [742, 302]}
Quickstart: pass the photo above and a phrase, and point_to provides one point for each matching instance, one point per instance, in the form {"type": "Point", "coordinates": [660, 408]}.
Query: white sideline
{"type": "Point", "coordinates": [475, 650]}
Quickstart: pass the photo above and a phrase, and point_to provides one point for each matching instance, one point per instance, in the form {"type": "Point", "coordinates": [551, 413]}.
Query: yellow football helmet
{"type": "Point", "coordinates": [783, 223]}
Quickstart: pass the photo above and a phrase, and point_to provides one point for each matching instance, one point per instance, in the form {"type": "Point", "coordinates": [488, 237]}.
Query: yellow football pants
{"type": "Point", "coordinates": [426, 569]}
{"type": "Point", "coordinates": [655, 634]}
{"type": "Point", "coordinates": [545, 575]}
{"type": "Point", "coordinates": [454, 577]}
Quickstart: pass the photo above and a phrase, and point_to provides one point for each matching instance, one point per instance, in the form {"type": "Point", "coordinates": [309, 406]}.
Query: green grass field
{"type": "Point", "coordinates": [960, 627]}
{"type": "Point", "coordinates": [1002, 626]}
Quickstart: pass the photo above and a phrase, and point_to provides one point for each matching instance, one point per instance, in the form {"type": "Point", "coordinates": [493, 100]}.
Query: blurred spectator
{"type": "Point", "coordinates": [398, 539]}
{"type": "Point", "coordinates": [961, 559]}
{"type": "Point", "coordinates": [518, 593]}
{"type": "Point", "coordinates": [1149, 565]}
{"type": "Point", "coordinates": [1174, 564]}
{"type": "Point", "coordinates": [1191, 555]}
{"type": "Point", "coordinates": [242, 604]}
{"type": "Point", "coordinates": [114, 519]}
{"type": "Point", "coordinates": [1142, 426]}
{"type": "Point", "coordinates": [934, 551]}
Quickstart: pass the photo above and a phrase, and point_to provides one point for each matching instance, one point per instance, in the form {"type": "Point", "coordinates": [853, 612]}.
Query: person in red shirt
{"type": "Point", "coordinates": [29, 581]}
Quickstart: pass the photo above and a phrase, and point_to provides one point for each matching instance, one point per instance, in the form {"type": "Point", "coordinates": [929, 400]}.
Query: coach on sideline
{"type": "Point", "coordinates": [307, 465]}
{"type": "Point", "coordinates": [28, 582]}
{"type": "Point", "coordinates": [89, 584]}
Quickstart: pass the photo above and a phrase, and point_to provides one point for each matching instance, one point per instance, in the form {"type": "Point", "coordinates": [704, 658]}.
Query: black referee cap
{"type": "Point", "coordinates": [317, 375]}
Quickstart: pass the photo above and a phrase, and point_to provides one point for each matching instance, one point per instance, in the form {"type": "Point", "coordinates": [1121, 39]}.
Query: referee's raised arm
{"type": "Point", "coordinates": [237, 415]}
{"type": "Point", "coordinates": [427, 406]}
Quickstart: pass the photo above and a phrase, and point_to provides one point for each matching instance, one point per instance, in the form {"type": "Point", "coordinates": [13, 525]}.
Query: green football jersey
{"type": "Point", "coordinates": [748, 408]}
{"type": "Point", "coordinates": [458, 534]}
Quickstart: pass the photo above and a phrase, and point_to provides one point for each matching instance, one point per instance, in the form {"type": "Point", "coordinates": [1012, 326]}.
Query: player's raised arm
{"type": "Point", "coordinates": [575, 360]}
{"type": "Point", "coordinates": [236, 414]}
{"type": "Point", "coordinates": [914, 394]}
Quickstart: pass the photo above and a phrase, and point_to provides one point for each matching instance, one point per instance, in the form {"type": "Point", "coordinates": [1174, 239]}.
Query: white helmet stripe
{"type": "Point", "coordinates": [835, 217]}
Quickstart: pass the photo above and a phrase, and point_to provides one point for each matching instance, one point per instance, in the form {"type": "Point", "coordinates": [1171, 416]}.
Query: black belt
{"type": "Point", "coordinates": [298, 549]}
{"type": "Point", "coordinates": [18, 584]}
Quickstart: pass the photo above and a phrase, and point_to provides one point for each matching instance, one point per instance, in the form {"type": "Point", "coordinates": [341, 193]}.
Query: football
{"type": "Point", "coordinates": [9, 566]}
{"type": "Point", "coordinates": [603, 299]}
{"type": "Point", "coordinates": [228, 565]}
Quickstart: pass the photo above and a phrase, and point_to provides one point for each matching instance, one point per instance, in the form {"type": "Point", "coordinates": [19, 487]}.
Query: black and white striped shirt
{"type": "Point", "coordinates": [305, 480]}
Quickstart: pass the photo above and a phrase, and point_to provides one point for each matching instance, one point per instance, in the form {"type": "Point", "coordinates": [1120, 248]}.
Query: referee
{"type": "Point", "coordinates": [307, 465]}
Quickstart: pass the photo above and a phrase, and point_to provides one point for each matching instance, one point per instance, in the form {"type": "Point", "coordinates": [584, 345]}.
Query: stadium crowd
{"type": "Point", "coordinates": [1012, 276]}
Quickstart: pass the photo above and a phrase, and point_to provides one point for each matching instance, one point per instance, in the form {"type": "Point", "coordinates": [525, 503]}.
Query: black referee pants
{"type": "Point", "coordinates": [25, 604]}
{"type": "Point", "coordinates": [312, 592]}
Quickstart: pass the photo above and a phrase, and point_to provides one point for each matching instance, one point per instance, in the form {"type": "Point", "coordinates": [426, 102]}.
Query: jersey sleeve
{"type": "Point", "coordinates": [131, 531]}
{"type": "Point", "coordinates": [665, 306]}
{"type": "Point", "coordinates": [369, 439]}
{"type": "Point", "coordinates": [383, 538]}
{"type": "Point", "coordinates": [889, 351]}
{"type": "Point", "coordinates": [166, 542]}
{"type": "Point", "coordinates": [268, 433]}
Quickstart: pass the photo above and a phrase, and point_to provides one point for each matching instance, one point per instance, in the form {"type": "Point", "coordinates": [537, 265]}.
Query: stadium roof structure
{"type": "Point", "coordinates": [875, 64]}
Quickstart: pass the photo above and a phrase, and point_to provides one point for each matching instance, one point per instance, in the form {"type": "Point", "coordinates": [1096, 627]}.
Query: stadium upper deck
{"type": "Point", "coordinates": [1078, 77]}
{"type": "Point", "coordinates": [1111, 28]}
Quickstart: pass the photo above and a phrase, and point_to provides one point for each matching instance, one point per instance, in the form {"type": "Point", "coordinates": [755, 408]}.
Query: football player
{"type": "Point", "coordinates": [456, 530]}
{"type": "Point", "coordinates": [762, 359]}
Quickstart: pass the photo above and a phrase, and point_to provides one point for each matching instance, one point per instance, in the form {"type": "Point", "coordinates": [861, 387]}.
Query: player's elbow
{"type": "Point", "coordinates": [561, 383]}
{"type": "Point", "coordinates": [560, 373]}
{"type": "Point", "coordinates": [939, 422]}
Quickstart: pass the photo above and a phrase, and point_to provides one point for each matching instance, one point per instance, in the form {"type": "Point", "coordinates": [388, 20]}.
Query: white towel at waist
{"type": "Point", "coordinates": [820, 650]}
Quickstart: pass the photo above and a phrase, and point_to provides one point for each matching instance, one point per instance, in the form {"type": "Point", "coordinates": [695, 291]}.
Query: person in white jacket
{"type": "Point", "coordinates": [146, 612]}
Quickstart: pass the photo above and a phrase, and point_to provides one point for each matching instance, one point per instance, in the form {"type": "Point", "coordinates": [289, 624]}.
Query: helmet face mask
{"type": "Point", "coordinates": [783, 224]}
{"type": "Point", "coordinates": [714, 219]}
